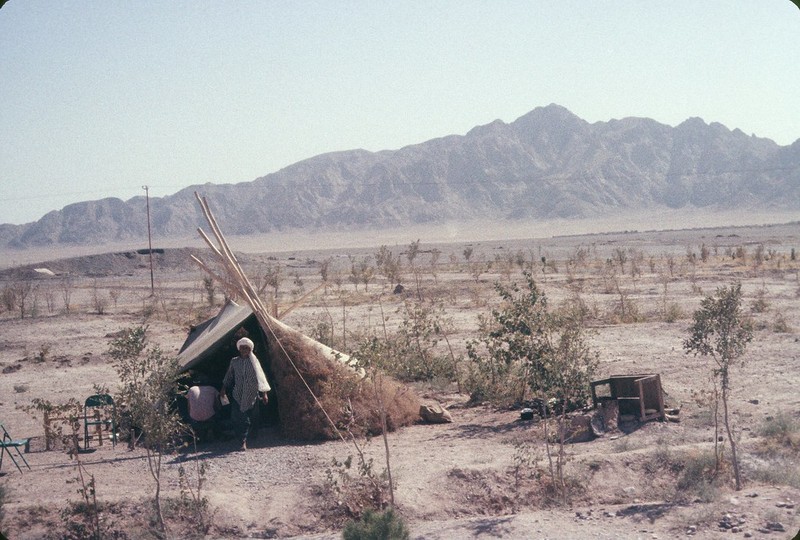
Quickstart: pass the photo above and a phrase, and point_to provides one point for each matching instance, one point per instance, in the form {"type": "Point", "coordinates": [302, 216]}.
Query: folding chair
{"type": "Point", "coordinates": [9, 442]}
{"type": "Point", "coordinates": [99, 411]}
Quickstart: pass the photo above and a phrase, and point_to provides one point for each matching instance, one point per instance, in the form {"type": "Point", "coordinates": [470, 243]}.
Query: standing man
{"type": "Point", "coordinates": [246, 382]}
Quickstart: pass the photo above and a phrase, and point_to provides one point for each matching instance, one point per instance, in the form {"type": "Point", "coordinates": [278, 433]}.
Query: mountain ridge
{"type": "Point", "coordinates": [546, 164]}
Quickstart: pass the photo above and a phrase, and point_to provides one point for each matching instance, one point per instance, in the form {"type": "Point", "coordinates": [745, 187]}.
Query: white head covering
{"type": "Point", "coordinates": [244, 341]}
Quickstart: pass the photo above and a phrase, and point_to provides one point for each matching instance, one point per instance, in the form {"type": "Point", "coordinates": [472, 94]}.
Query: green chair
{"type": "Point", "coordinates": [99, 411]}
{"type": "Point", "coordinates": [8, 443]}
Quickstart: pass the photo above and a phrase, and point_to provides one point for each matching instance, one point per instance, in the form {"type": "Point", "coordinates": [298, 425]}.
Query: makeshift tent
{"type": "Point", "coordinates": [333, 377]}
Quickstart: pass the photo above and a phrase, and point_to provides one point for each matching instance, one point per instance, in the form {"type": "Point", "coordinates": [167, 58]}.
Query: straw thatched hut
{"type": "Point", "coordinates": [314, 387]}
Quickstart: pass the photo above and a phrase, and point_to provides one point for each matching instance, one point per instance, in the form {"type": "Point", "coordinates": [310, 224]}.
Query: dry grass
{"type": "Point", "coordinates": [480, 481]}
{"type": "Point", "coordinates": [350, 401]}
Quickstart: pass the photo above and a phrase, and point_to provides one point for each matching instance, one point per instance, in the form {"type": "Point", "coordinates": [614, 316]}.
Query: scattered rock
{"type": "Point", "coordinates": [579, 429]}
{"type": "Point", "coordinates": [776, 526]}
{"type": "Point", "coordinates": [732, 523]}
{"type": "Point", "coordinates": [434, 413]}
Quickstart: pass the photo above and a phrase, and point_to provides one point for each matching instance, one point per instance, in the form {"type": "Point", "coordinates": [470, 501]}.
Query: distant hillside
{"type": "Point", "coordinates": [546, 164]}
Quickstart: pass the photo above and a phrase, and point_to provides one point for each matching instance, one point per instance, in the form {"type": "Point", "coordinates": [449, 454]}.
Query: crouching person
{"type": "Point", "coordinates": [245, 384]}
{"type": "Point", "coordinates": [204, 406]}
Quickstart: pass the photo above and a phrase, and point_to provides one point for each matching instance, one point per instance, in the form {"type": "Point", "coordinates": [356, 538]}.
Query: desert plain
{"type": "Point", "coordinates": [477, 477]}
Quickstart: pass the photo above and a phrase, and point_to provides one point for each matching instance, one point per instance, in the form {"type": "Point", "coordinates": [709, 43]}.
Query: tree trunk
{"type": "Point", "coordinates": [734, 459]}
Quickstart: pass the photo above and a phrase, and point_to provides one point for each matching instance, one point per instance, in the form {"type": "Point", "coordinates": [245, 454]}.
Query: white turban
{"type": "Point", "coordinates": [244, 342]}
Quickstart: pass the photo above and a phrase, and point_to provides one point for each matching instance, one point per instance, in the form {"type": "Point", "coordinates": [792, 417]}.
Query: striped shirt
{"type": "Point", "coordinates": [245, 382]}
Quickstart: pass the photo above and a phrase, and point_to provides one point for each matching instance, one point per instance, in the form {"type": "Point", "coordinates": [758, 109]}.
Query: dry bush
{"type": "Point", "coordinates": [351, 488]}
{"type": "Point", "coordinates": [698, 477]}
{"type": "Point", "coordinates": [776, 451]}
{"type": "Point", "coordinates": [343, 394]}
{"type": "Point", "coordinates": [673, 312]}
{"type": "Point", "coordinates": [386, 525]}
{"type": "Point", "coordinates": [760, 303]}
{"type": "Point", "coordinates": [780, 325]}
{"type": "Point", "coordinates": [780, 432]}
{"type": "Point", "coordinates": [625, 310]}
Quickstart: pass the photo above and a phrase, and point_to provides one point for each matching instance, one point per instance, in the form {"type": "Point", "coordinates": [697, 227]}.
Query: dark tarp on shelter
{"type": "Point", "coordinates": [211, 345]}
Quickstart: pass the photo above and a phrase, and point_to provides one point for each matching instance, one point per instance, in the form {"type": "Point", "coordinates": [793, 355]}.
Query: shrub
{"type": "Point", "coordinates": [148, 378]}
{"type": "Point", "coordinates": [626, 310]}
{"type": "Point", "coordinates": [355, 487]}
{"type": "Point", "coordinates": [523, 349]}
{"type": "Point", "coordinates": [673, 312]}
{"type": "Point", "coordinates": [698, 475]}
{"type": "Point", "coordinates": [412, 353]}
{"type": "Point", "coordinates": [781, 430]}
{"type": "Point", "coordinates": [778, 472]}
{"type": "Point", "coordinates": [777, 450]}
{"type": "Point", "coordinates": [760, 303]}
{"type": "Point", "coordinates": [780, 325]}
{"type": "Point", "coordinates": [386, 525]}
{"type": "Point", "coordinates": [8, 298]}
{"type": "Point", "coordinates": [512, 345]}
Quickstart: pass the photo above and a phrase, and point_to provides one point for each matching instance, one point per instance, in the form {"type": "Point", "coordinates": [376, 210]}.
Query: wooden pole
{"type": "Point", "coordinates": [149, 240]}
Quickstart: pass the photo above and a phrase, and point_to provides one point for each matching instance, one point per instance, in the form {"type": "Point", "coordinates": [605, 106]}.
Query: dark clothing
{"type": "Point", "coordinates": [245, 383]}
{"type": "Point", "coordinates": [243, 420]}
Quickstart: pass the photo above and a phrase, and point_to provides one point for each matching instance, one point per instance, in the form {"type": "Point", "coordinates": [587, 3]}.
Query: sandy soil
{"type": "Point", "coordinates": [458, 480]}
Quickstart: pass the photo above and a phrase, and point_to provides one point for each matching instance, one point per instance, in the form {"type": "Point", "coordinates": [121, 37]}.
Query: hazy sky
{"type": "Point", "coordinates": [98, 98]}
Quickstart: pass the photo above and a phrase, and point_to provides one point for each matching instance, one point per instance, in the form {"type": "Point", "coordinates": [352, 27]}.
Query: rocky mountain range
{"type": "Point", "coordinates": [546, 164]}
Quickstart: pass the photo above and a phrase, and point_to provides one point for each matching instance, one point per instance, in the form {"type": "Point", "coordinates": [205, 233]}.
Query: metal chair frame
{"type": "Point", "coordinates": [96, 402]}
{"type": "Point", "coordinates": [9, 442]}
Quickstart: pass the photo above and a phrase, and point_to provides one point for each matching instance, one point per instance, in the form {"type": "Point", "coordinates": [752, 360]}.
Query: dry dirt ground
{"type": "Point", "coordinates": [473, 478]}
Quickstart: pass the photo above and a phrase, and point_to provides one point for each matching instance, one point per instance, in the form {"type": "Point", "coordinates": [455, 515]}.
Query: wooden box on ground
{"type": "Point", "coordinates": [637, 395]}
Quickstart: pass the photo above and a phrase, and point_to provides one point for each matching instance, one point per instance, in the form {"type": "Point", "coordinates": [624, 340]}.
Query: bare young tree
{"type": "Point", "coordinates": [271, 277]}
{"type": "Point", "coordinates": [67, 286]}
{"type": "Point", "coordinates": [148, 386]}
{"type": "Point", "coordinates": [411, 255]}
{"type": "Point", "coordinates": [367, 272]}
{"type": "Point", "coordinates": [22, 293]}
{"type": "Point", "coordinates": [324, 271]}
{"type": "Point", "coordinates": [99, 301]}
{"type": "Point", "coordinates": [388, 264]}
{"type": "Point", "coordinates": [468, 251]}
{"type": "Point", "coordinates": [621, 257]}
{"type": "Point", "coordinates": [435, 255]}
{"type": "Point", "coordinates": [721, 331]}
